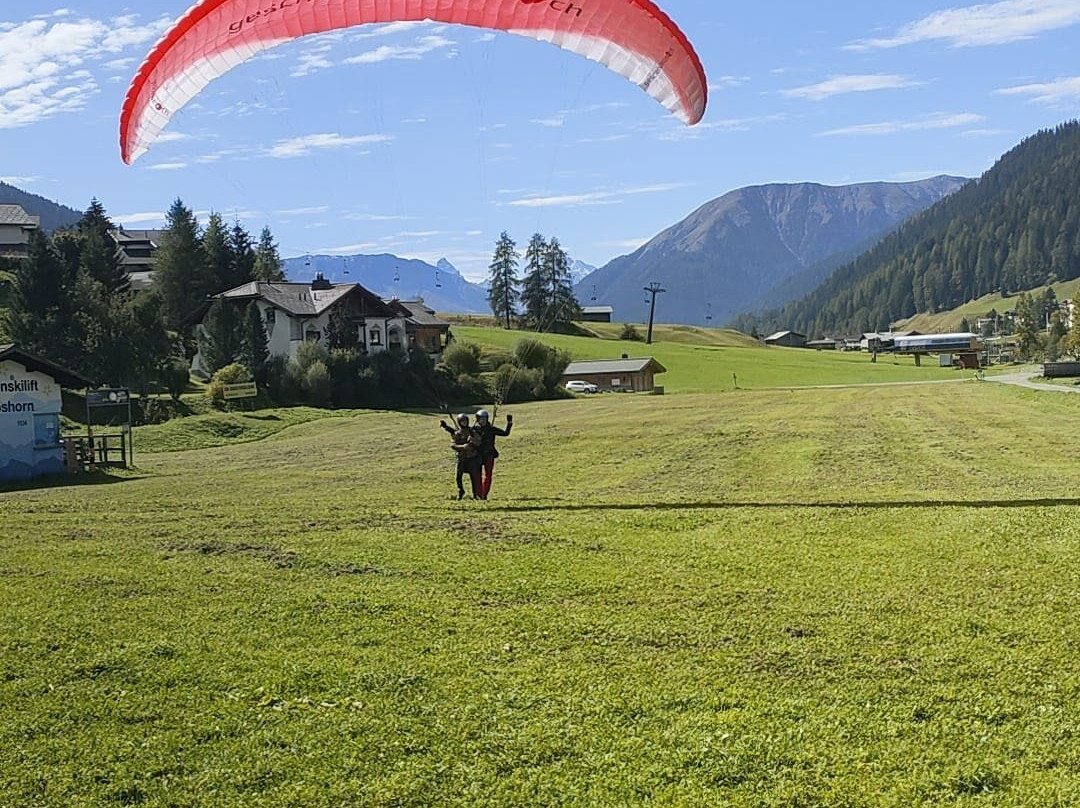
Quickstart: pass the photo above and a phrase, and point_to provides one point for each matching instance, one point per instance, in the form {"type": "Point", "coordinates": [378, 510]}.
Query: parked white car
{"type": "Point", "coordinates": [579, 386]}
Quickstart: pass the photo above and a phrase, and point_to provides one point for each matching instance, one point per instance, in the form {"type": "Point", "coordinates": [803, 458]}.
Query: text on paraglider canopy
{"type": "Point", "coordinates": [563, 6]}
{"type": "Point", "coordinates": [237, 26]}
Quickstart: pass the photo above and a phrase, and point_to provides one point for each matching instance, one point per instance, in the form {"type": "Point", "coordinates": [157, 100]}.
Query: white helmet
{"type": "Point", "coordinates": [483, 414]}
{"type": "Point", "coordinates": [463, 419]}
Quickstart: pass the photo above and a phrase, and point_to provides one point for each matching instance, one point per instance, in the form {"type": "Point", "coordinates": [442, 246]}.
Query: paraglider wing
{"type": "Point", "coordinates": [631, 37]}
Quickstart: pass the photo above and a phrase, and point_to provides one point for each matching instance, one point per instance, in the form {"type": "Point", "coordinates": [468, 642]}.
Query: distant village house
{"type": "Point", "coordinates": [16, 225]}
{"type": "Point", "coordinates": [295, 313]}
{"type": "Point", "coordinates": [619, 375]}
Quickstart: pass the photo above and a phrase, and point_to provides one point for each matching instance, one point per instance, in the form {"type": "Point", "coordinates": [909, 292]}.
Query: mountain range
{"type": "Point", "coordinates": [1016, 228]}
{"type": "Point", "coordinates": [758, 246]}
{"type": "Point", "coordinates": [441, 286]}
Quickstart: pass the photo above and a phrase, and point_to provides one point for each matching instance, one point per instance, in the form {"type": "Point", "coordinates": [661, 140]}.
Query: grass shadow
{"type": "Point", "coordinates": [57, 481]}
{"type": "Point", "coordinates": [1031, 502]}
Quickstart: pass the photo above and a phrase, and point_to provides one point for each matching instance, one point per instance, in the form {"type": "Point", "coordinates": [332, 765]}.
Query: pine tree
{"type": "Point", "coordinates": [535, 295]}
{"type": "Point", "coordinates": [267, 266]}
{"type": "Point", "coordinates": [340, 332]}
{"type": "Point", "coordinates": [503, 294]}
{"type": "Point", "coordinates": [243, 256]}
{"type": "Point", "coordinates": [179, 274]}
{"type": "Point", "coordinates": [564, 303]}
{"type": "Point", "coordinates": [220, 339]}
{"type": "Point", "coordinates": [100, 256]}
{"type": "Point", "coordinates": [37, 315]}
{"type": "Point", "coordinates": [255, 351]}
{"type": "Point", "coordinates": [217, 255]}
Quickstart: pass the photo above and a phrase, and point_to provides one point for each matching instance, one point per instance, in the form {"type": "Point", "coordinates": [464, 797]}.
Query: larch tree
{"type": "Point", "coordinates": [503, 283]}
{"type": "Point", "coordinates": [535, 296]}
{"type": "Point", "coordinates": [268, 266]}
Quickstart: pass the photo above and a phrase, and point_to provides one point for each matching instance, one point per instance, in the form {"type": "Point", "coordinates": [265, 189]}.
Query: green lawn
{"type": "Point", "coordinates": [697, 363]}
{"type": "Point", "coordinates": [840, 597]}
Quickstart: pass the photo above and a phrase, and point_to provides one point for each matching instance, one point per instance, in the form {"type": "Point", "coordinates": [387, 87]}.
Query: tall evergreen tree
{"type": "Point", "coordinates": [217, 255]}
{"type": "Point", "coordinates": [254, 349]}
{"type": "Point", "coordinates": [535, 296]}
{"type": "Point", "coordinates": [243, 255]}
{"type": "Point", "coordinates": [179, 274]}
{"type": "Point", "coordinates": [267, 266]}
{"type": "Point", "coordinates": [564, 303]}
{"type": "Point", "coordinates": [503, 283]}
{"type": "Point", "coordinates": [100, 256]}
{"type": "Point", "coordinates": [38, 310]}
{"type": "Point", "coordinates": [220, 337]}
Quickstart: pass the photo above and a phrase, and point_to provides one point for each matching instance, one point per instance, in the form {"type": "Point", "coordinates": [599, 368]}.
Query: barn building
{"type": "Point", "coordinates": [620, 375]}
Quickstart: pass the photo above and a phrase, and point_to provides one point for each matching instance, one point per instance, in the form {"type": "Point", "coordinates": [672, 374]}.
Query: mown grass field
{"type": "Point", "coordinates": [828, 597]}
{"type": "Point", "coordinates": [713, 360]}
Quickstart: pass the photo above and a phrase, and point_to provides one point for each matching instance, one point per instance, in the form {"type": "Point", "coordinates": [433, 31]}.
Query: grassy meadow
{"type": "Point", "coordinates": [714, 360]}
{"type": "Point", "coordinates": [852, 596]}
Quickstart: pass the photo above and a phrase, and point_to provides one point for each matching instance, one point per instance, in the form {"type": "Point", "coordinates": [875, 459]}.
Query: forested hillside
{"type": "Point", "coordinates": [53, 214]}
{"type": "Point", "coordinates": [1017, 227]}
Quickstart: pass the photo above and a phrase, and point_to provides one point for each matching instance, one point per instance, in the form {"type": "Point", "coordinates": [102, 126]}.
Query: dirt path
{"type": "Point", "coordinates": [1024, 379]}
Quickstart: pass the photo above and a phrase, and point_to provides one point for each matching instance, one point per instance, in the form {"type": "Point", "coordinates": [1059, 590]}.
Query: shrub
{"type": "Point", "coordinates": [176, 374]}
{"type": "Point", "coordinates": [630, 332]}
{"type": "Point", "coordinates": [462, 358]}
{"type": "Point", "coordinates": [531, 353]}
{"type": "Point", "coordinates": [308, 353]}
{"type": "Point", "coordinates": [230, 374]}
{"type": "Point", "coordinates": [317, 384]}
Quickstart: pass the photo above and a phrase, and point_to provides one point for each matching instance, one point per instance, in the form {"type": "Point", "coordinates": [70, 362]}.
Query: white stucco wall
{"type": "Point", "coordinates": [29, 423]}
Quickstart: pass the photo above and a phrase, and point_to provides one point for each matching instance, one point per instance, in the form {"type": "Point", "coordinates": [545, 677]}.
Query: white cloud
{"type": "Point", "coordinates": [700, 130]}
{"type": "Point", "coordinates": [839, 85]}
{"type": "Point", "coordinates": [306, 144]}
{"type": "Point", "coordinates": [44, 63]}
{"type": "Point", "coordinates": [347, 249]}
{"type": "Point", "coordinates": [19, 180]}
{"type": "Point", "coordinates": [376, 217]}
{"type": "Point", "coordinates": [166, 167]}
{"type": "Point", "coordinates": [983, 24]}
{"type": "Point", "coordinates": [423, 46]}
{"type": "Point", "coordinates": [1049, 92]}
{"type": "Point", "coordinates": [610, 197]}
{"type": "Point", "coordinates": [554, 122]}
{"type": "Point", "coordinates": [129, 219]}
{"type": "Point", "coordinates": [942, 121]}
{"type": "Point", "coordinates": [310, 211]}
{"type": "Point", "coordinates": [727, 82]}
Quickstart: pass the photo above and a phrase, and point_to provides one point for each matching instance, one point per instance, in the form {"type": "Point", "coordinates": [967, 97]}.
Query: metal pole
{"type": "Point", "coordinates": [653, 289]}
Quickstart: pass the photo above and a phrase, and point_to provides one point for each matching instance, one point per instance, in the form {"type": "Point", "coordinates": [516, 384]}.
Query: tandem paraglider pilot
{"type": "Point", "coordinates": [487, 432]}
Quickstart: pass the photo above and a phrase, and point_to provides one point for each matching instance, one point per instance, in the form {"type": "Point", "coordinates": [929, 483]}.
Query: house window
{"type": "Point", "coordinates": [314, 336]}
{"type": "Point", "coordinates": [271, 317]}
{"type": "Point", "coordinates": [375, 337]}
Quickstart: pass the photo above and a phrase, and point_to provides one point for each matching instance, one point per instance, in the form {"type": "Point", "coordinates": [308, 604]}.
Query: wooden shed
{"type": "Point", "coordinates": [620, 375]}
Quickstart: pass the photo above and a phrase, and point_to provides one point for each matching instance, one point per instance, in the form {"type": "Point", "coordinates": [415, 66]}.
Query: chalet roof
{"type": "Point", "coordinates": [598, 309]}
{"type": "Point", "coordinates": [294, 298]}
{"type": "Point", "coordinates": [419, 313]}
{"type": "Point", "coordinates": [614, 366]}
{"type": "Point", "coordinates": [63, 376]}
{"type": "Point", "coordinates": [14, 214]}
{"type": "Point", "coordinates": [782, 334]}
{"type": "Point", "coordinates": [124, 236]}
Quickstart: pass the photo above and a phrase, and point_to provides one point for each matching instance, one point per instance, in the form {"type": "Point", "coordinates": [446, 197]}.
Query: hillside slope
{"type": "Point", "coordinates": [1017, 228]}
{"type": "Point", "coordinates": [758, 246]}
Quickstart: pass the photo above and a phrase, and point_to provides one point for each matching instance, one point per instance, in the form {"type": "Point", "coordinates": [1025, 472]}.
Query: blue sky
{"type": "Point", "coordinates": [426, 140]}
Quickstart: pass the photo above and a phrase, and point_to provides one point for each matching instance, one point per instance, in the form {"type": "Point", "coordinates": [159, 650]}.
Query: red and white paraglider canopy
{"type": "Point", "coordinates": [631, 37]}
